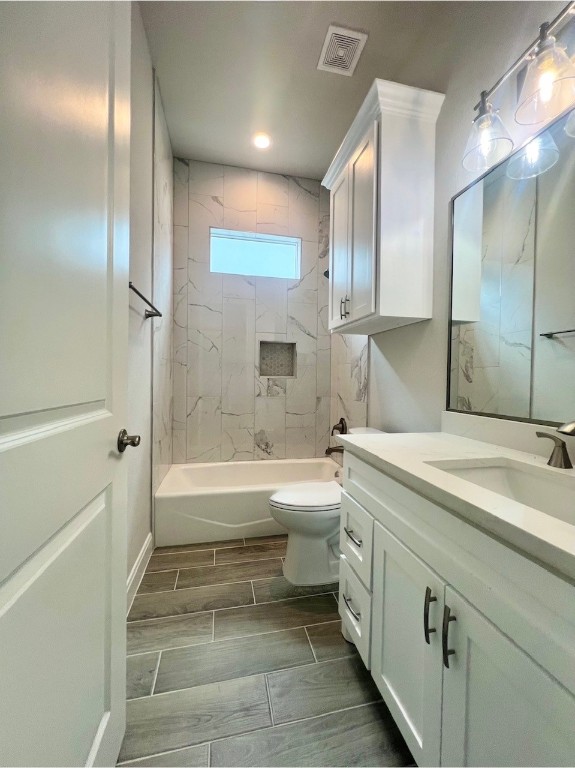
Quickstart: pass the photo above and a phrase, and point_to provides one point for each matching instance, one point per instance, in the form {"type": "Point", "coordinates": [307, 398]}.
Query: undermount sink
{"type": "Point", "coordinates": [549, 491]}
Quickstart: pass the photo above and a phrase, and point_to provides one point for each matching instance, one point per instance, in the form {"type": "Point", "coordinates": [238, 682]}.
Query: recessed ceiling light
{"type": "Point", "coordinates": [261, 140]}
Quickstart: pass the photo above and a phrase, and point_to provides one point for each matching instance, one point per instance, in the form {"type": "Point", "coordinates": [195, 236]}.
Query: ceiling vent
{"type": "Point", "coordinates": [341, 50]}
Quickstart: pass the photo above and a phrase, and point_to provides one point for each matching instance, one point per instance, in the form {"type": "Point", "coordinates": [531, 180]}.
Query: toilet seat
{"type": "Point", "coordinates": [308, 497]}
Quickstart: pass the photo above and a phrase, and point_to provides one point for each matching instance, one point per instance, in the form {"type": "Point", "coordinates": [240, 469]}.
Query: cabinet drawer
{"type": "Point", "coordinates": [355, 609]}
{"type": "Point", "coordinates": [356, 537]}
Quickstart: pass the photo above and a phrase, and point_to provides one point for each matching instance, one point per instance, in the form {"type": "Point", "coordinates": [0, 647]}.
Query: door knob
{"type": "Point", "coordinates": [124, 440]}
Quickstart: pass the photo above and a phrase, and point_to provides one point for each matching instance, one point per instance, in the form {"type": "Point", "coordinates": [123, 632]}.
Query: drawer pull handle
{"type": "Point", "coordinates": [447, 652]}
{"type": "Point", "coordinates": [349, 534]}
{"type": "Point", "coordinates": [341, 310]}
{"type": "Point", "coordinates": [347, 601]}
{"type": "Point", "coordinates": [426, 629]}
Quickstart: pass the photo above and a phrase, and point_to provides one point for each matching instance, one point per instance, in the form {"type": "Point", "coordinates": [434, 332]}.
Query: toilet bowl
{"type": "Point", "coordinates": [310, 512]}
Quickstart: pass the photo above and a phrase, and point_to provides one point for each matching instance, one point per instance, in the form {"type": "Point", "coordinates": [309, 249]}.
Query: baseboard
{"type": "Point", "coordinates": [139, 568]}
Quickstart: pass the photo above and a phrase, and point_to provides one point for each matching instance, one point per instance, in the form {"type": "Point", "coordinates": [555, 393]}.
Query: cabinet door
{"type": "Point", "coordinates": [406, 669]}
{"type": "Point", "coordinates": [338, 250]}
{"type": "Point", "coordinates": [499, 706]}
{"type": "Point", "coordinates": [363, 220]}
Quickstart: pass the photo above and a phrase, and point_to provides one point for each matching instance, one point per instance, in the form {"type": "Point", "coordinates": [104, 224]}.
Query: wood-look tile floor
{"type": "Point", "coordinates": [231, 665]}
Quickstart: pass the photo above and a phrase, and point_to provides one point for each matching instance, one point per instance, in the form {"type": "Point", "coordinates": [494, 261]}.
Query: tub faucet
{"type": "Point", "coordinates": [559, 456]}
{"type": "Point", "coordinates": [334, 449]}
{"type": "Point", "coordinates": [340, 427]}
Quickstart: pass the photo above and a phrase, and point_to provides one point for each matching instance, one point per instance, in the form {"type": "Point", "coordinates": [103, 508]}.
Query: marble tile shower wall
{"type": "Point", "coordinates": [223, 409]}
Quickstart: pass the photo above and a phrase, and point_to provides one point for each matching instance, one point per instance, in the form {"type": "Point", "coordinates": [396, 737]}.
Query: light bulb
{"type": "Point", "coordinates": [488, 142]}
{"type": "Point", "coordinates": [532, 151]}
{"type": "Point", "coordinates": [261, 140]}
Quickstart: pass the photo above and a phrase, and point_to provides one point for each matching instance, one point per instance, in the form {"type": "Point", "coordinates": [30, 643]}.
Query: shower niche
{"type": "Point", "coordinates": [278, 359]}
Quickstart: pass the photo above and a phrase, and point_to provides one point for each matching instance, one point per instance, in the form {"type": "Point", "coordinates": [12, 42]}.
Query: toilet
{"type": "Point", "coordinates": [310, 512]}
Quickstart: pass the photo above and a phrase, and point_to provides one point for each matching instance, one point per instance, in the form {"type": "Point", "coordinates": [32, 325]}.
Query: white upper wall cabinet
{"type": "Point", "coordinates": [382, 192]}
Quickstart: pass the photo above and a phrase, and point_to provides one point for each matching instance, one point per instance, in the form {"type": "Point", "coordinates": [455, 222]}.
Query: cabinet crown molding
{"type": "Point", "coordinates": [384, 97]}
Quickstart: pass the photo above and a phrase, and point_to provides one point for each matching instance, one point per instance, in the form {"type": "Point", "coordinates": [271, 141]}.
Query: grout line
{"type": "Point", "coordinates": [213, 628]}
{"type": "Point", "coordinates": [209, 753]}
{"type": "Point", "coordinates": [156, 673]}
{"type": "Point", "coordinates": [240, 637]}
{"type": "Point", "coordinates": [269, 700]}
{"type": "Point", "coordinates": [176, 581]}
{"type": "Point", "coordinates": [310, 643]}
{"type": "Point", "coordinates": [253, 591]}
{"type": "Point", "coordinates": [257, 730]}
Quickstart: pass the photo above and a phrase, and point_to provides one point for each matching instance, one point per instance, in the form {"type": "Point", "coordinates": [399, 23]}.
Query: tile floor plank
{"type": "Point", "coordinates": [284, 614]}
{"type": "Point", "coordinates": [160, 604]}
{"type": "Point", "coordinates": [328, 643]}
{"type": "Point", "coordinates": [320, 688]}
{"type": "Point", "coordinates": [365, 736]}
{"type": "Point", "coordinates": [252, 552]}
{"type": "Point", "coordinates": [172, 632]}
{"type": "Point", "coordinates": [266, 539]}
{"type": "Point", "coordinates": [180, 560]}
{"type": "Point", "coordinates": [226, 574]}
{"type": "Point", "coordinates": [140, 673]}
{"type": "Point", "coordinates": [229, 659]}
{"type": "Point", "coordinates": [279, 588]}
{"type": "Point", "coordinates": [195, 547]}
{"type": "Point", "coordinates": [194, 715]}
{"type": "Point", "coordinates": [163, 581]}
{"type": "Point", "coordinates": [190, 757]}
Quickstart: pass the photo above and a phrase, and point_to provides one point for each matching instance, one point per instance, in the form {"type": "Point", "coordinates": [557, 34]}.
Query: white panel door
{"type": "Point", "coordinates": [499, 706]}
{"type": "Point", "coordinates": [339, 251]}
{"type": "Point", "coordinates": [406, 668]}
{"type": "Point", "coordinates": [363, 220]}
{"type": "Point", "coordinates": [64, 208]}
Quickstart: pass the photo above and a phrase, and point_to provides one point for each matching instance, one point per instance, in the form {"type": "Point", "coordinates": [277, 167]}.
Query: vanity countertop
{"type": "Point", "coordinates": [405, 456]}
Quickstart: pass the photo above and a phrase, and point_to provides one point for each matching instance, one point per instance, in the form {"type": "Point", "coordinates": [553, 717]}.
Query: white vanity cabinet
{"type": "Point", "coordinates": [381, 184]}
{"type": "Point", "coordinates": [472, 644]}
{"type": "Point", "coordinates": [404, 665]}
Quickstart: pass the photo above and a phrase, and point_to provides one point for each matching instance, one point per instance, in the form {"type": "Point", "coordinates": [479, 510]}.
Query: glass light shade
{"type": "Point", "coordinates": [535, 158]}
{"type": "Point", "coordinates": [570, 125]}
{"type": "Point", "coordinates": [549, 86]}
{"type": "Point", "coordinates": [488, 142]}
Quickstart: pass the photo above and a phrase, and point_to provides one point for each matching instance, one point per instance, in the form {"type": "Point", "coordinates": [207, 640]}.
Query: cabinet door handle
{"type": "Point", "coordinates": [347, 601]}
{"type": "Point", "coordinates": [345, 303]}
{"type": "Point", "coordinates": [349, 533]}
{"type": "Point", "coordinates": [341, 310]}
{"type": "Point", "coordinates": [426, 630]}
{"type": "Point", "coordinates": [447, 652]}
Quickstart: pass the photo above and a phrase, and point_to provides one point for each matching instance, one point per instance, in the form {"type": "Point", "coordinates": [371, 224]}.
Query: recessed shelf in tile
{"type": "Point", "coordinates": [277, 359]}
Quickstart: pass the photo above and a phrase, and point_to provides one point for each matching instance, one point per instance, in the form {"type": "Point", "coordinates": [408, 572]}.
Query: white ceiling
{"type": "Point", "coordinates": [229, 69]}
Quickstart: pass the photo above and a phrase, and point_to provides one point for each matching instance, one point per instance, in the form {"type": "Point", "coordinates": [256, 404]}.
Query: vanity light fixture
{"type": "Point", "coordinates": [261, 141]}
{"type": "Point", "coordinates": [536, 157]}
{"type": "Point", "coordinates": [548, 90]}
{"type": "Point", "coordinates": [549, 86]}
{"type": "Point", "coordinates": [489, 142]}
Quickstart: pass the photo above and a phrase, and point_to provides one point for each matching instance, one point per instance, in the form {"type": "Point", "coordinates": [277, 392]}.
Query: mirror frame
{"type": "Point", "coordinates": [450, 302]}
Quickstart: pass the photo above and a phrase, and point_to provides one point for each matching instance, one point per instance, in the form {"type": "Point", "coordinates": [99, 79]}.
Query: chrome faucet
{"type": "Point", "coordinates": [559, 456]}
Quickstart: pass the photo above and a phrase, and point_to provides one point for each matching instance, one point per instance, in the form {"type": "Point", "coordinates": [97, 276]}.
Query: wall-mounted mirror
{"type": "Point", "coordinates": [512, 329]}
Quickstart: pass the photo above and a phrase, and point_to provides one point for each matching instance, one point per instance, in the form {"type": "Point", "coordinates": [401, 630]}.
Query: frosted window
{"type": "Point", "coordinates": [258, 255]}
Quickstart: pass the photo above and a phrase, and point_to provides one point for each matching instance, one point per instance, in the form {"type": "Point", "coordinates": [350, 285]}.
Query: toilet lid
{"type": "Point", "coordinates": [321, 496]}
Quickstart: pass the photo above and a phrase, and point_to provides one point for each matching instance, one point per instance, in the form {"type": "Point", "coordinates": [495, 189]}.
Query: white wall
{"type": "Point", "coordinates": [150, 340]}
{"type": "Point", "coordinates": [162, 400]}
{"type": "Point", "coordinates": [140, 329]}
{"type": "Point", "coordinates": [407, 382]}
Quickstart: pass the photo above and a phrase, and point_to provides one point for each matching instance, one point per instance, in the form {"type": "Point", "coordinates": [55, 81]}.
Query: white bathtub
{"type": "Point", "coordinates": [227, 500]}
